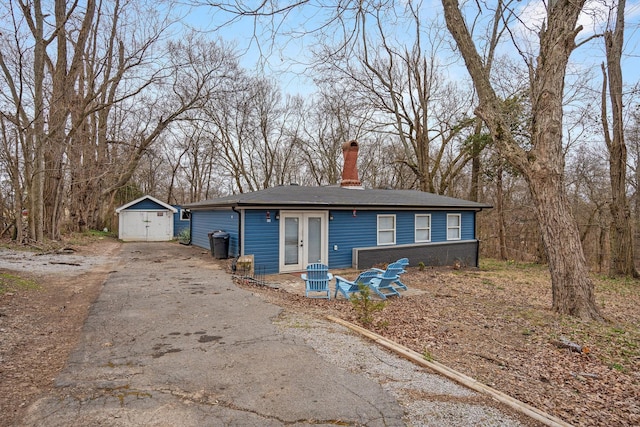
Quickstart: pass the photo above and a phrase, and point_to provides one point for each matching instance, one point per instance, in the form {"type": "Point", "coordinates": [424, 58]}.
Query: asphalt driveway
{"type": "Point", "coordinates": [171, 341]}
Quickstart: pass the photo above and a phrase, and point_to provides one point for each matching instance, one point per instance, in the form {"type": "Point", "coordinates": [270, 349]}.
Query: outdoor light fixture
{"type": "Point", "coordinates": [354, 212]}
{"type": "Point", "coordinates": [268, 216]}
{"type": "Point", "coordinates": [330, 217]}
{"type": "Point", "coordinates": [277, 214]}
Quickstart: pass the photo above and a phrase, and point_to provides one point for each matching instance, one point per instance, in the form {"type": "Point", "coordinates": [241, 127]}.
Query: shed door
{"type": "Point", "coordinates": [158, 225]}
{"type": "Point", "coordinates": [146, 225]}
{"type": "Point", "coordinates": [303, 239]}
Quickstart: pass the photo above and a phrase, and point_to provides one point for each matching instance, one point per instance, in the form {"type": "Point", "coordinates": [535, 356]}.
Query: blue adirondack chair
{"type": "Point", "coordinates": [403, 261]}
{"type": "Point", "coordinates": [396, 268]}
{"type": "Point", "coordinates": [382, 284]}
{"type": "Point", "coordinates": [317, 281]}
{"type": "Point", "coordinates": [347, 287]}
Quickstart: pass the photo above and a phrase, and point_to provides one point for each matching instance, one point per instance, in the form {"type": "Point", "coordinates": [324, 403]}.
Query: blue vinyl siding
{"type": "Point", "coordinates": [146, 205]}
{"type": "Point", "coordinates": [204, 222]}
{"type": "Point", "coordinates": [439, 225]}
{"type": "Point", "coordinates": [261, 239]}
{"type": "Point", "coordinates": [178, 224]}
{"type": "Point", "coordinates": [348, 232]}
{"type": "Point", "coordinates": [405, 227]}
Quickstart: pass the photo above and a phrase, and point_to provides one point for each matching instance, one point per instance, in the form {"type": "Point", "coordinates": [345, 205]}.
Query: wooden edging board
{"type": "Point", "coordinates": [456, 376]}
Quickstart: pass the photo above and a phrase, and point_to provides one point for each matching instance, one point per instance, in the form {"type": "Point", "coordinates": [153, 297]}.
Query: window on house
{"type": "Point", "coordinates": [423, 228]}
{"type": "Point", "coordinates": [185, 215]}
{"type": "Point", "coordinates": [454, 225]}
{"type": "Point", "coordinates": [386, 229]}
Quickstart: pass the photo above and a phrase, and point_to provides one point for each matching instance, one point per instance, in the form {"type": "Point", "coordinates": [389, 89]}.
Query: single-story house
{"type": "Point", "coordinates": [285, 228]}
{"type": "Point", "coordinates": [146, 219]}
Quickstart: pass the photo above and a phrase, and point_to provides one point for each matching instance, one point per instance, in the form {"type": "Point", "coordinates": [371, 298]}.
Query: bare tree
{"type": "Point", "coordinates": [633, 141]}
{"type": "Point", "coordinates": [331, 118]}
{"type": "Point", "coordinates": [28, 115]}
{"type": "Point", "coordinates": [101, 93]}
{"type": "Point", "coordinates": [193, 160]}
{"type": "Point", "coordinates": [247, 123]}
{"type": "Point", "coordinates": [193, 74]}
{"type": "Point", "coordinates": [478, 142]}
{"type": "Point", "coordinates": [542, 164]}
{"type": "Point", "coordinates": [11, 180]}
{"type": "Point", "coordinates": [588, 182]}
{"type": "Point", "coordinates": [622, 259]}
{"type": "Point", "coordinates": [232, 131]}
{"type": "Point", "coordinates": [401, 77]}
{"type": "Point", "coordinates": [405, 83]}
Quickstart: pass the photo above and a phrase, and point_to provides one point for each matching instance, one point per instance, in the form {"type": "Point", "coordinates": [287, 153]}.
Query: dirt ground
{"type": "Point", "coordinates": [41, 320]}
{"type": "Point", "coordinates": [493, 324]}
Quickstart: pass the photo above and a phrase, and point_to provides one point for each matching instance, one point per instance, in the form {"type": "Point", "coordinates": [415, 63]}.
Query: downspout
{"type": "Point", "coordinates": [475, 235]}
{"type": "Point", "coordinates": [233, 208]}
{"type": "Point", "coordinates": [234, 264]}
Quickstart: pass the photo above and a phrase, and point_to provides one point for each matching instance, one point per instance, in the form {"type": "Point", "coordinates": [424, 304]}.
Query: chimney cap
{"type": "Point", "coordinates": [348, 144]}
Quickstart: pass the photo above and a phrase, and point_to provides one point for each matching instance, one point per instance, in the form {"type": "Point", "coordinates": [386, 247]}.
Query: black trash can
{"type": "Point", "coordinates": [221, 244]}
{"type": "Point", "coordinates": [211, 241]}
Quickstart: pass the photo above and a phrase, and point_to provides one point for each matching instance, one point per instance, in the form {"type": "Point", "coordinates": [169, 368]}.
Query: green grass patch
{"type": "Point", "coordinates": [99, 233]}
{"type": "Point", "coordinates": [426, 355]}
{"type": "Point", "coordinates": [89, 236]}
{"type": "Point", "coordinates": [12, 283]}
{"type": "Point", "coordinates": [624, 286]}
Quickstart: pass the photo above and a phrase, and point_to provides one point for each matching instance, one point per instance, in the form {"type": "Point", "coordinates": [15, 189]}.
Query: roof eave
{"type": "Point", "coordinates": [341, 206]}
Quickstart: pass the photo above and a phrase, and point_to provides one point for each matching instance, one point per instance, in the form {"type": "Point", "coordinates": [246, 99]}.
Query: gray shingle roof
{"type": "Point", "coordinates": [337, 197]}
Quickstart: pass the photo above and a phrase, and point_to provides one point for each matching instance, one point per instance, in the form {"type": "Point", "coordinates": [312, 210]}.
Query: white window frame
{"type": "Point", "coordinates": [457, 227]}
{"type": "Point", "coordinates": [427, 228]}
{"type": "Point", "coordinates": [386, 230]}
{"type": "Point", "coordinates": [182, 216]}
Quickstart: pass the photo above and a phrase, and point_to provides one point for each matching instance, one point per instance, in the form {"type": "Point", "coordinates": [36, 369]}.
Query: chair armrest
{"type": "Point", "coordinates": [304, 277]}
{"type": "Point", "coordinates": [375, 281]}
{"type": "Point", "coordinates": [330, 276]}
{"type": "Point", "coordinates": [342, 280]}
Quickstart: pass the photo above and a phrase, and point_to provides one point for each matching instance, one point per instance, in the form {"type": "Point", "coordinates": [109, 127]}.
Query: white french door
{"type": "Point", "coordinates": [303, 239]}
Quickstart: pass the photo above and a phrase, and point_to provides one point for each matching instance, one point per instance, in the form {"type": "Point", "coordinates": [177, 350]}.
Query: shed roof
{"type": "Point", "coordinates": [140, 199]}
{"type": "Point", "coordinates": [292, 196]}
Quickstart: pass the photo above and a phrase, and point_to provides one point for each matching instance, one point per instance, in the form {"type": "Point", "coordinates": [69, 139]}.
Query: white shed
{"type": "Point", "coordinates": [145, 219]}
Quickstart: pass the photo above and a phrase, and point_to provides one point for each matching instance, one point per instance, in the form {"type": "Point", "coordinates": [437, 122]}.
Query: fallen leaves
{"type": "Point", "coordinates": [496, 325]}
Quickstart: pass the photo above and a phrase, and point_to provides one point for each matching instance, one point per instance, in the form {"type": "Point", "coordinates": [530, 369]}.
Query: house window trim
{"type": "Point", "coordinates": [416, 229]}
{"type": "Point", "coordinates": [182, 216]}
{"type": "Point", "coordinates": [457, 227]}
{"type": "Point", "coordinates": [378, 230]}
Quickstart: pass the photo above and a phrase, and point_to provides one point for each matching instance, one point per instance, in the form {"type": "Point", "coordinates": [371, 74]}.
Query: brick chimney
{"type": "Point", "coordinates": [350, 168]}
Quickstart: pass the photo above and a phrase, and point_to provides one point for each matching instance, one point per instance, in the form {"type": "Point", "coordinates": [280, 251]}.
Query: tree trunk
{"type": "Point", "coordinates": [502, 233]}
{"type": "Point", "coordinates": [572, 288]}
{"type": "Point", "coordinates": [542, 165]}
{"type": "Point", "coordinates": [476, 150]}
{"type": "Point", "coordinates": [602, 248]}
{"type": "Point", "coordinates": [36, 192]}
{"type": "Point", "coordinates": [622, 258]}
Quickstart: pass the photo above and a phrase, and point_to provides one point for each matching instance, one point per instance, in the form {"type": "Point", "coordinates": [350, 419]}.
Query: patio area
{"type": "Point", "coordinates": [293, 283]}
